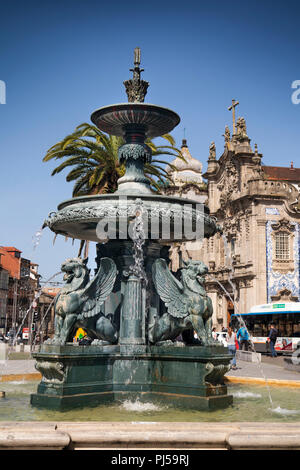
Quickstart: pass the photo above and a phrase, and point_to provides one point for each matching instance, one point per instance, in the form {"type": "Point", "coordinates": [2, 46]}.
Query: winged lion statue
{"type": "Point", "coordinates": [79, 302]}
{"type": "Point", "coordinates": [188, 305]}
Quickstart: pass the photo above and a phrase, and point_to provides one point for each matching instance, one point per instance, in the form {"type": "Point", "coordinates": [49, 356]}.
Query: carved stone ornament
{"type": "Point", "coordinates": [229, 183]}
{"type": "Point", "coordinates": [215, 373]}
{"type": "Point", "coordinates": [284, 295]}
{"type": "Point", "coordinates": [135, 152]}
{"type": "Point", "coordinates": [283, 225]}
{"type": "Point", "coordinates": [136, 90]}
{"type": "Point", "coordinates": [52, 372]}
{"type": "Point", "coordinates": [232, 226]}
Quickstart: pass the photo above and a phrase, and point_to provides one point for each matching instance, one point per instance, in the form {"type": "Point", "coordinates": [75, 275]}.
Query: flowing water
{"type": "Point", "coordinates": [138, 238]}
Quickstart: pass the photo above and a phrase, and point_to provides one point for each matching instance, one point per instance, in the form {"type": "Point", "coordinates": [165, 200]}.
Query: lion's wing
{"type": "Point", "coordinates": [99, 288]}
{"type": "Point", "coordinates": [169, 289]}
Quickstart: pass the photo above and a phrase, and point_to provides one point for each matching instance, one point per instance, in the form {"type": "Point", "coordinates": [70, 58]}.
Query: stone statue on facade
{"type": "Point", "coordinates": [212, 151]}
{"type": "Point", "coordinates": [78, 304]}
{"type": "Point", "coordinates": [241, 129]}
{"type": "Point", "coordinates": [188, 305]}
{"type": "Point", "coordinates": [226, 135]}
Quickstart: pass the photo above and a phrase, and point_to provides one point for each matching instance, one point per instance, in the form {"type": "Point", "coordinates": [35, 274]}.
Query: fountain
{"type": "Point", "coordinates": [134, 308]}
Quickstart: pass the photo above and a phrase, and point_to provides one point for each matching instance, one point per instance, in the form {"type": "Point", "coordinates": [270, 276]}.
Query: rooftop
{"type": "Point", "coordinates": [279, 173]}
{"type": "Point", "coordinates": [9, 261]}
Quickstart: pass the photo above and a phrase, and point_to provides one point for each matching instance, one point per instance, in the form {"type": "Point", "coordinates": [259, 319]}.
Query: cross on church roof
{"type": "Point", "coordinates": [232, 108]}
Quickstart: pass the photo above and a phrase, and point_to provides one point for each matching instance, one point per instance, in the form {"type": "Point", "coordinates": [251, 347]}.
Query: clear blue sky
{"type": "Point", "coordinates": [61, 60]}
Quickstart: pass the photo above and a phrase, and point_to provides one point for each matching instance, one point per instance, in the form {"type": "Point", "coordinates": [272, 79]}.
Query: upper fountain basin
{"type": "Point", "coordinates": [79, 217]}
{"type": "Point", "coordinates": [115, 119]}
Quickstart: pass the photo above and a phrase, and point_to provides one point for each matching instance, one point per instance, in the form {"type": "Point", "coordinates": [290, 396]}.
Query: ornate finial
{"type": "Point", "coordinates": [184, 143]}
{"type": "Point", "coordinates": [136, 88]}
{"type": "Point", "coordinates": [256, 156]}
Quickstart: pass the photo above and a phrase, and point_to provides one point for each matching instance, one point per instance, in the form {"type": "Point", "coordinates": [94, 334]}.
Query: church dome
{"type": "Point", "coordinates": [188, 171]}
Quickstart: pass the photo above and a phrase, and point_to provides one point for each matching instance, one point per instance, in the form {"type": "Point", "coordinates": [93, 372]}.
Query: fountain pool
{"type": "Point", "coordinates": [250, 404]}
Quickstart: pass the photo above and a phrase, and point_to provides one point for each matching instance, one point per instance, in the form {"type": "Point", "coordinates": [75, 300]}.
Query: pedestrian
{"type": "Point", "coordinates": [273, 334]}
{"type": "Point", "coordinates": [214, 333]}
{"type": "Point", "coordinates": [231, 339]}
{"type": "Point", "coordinates": [243, 338]}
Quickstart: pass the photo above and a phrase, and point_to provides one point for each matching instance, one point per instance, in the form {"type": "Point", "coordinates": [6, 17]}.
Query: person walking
{"type": "Point", "coordinates": [231, 339]}
{"type": "Point", "coordinates": [214, 333]}
{"type": "Point", "coordinates": [243, 338]}
{"type": "Point", "coordinates": [273, 334]}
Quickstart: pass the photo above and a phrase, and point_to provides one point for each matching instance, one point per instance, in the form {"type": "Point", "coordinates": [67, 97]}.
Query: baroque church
{"type": "Point", "coordinates": [255, 260]}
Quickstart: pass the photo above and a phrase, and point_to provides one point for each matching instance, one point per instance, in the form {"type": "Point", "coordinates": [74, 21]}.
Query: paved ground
{"type": "Point", "coordinates": [269, 368]}
{"type": "Point", "coordinates": [15, 367]}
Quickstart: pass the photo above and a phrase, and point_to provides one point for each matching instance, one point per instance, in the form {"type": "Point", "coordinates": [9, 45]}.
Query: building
{"type": "Point", "coordinates": [4, 278]}
{"type": "Point", "coordinates": [22, 285]}
{"type": "Point", "coordinates": [11, 262]}
{"type": "Point", "coordinates": [256, 258]}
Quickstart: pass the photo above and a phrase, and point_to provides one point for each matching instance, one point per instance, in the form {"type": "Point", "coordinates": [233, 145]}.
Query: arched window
{"type": "Point", "coordinates": [282, 246]}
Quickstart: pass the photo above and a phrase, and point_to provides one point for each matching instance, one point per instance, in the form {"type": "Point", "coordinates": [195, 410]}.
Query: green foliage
{"type": "Point", "coordinates": [92, 158]}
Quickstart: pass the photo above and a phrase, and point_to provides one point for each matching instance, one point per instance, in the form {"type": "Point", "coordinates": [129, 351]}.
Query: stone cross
{"type": "Point", "coordinates": [232, 108]}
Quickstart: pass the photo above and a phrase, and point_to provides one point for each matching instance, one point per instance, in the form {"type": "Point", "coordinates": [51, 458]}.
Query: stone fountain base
{"type": "Point", "coordinates": [184, 376]}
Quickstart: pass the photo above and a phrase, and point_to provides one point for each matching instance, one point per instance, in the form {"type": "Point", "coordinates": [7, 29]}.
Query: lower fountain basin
{"type": "Point", "coordinates": [165, 218]}
{"type": "Point", "coordinates": [189, 377]}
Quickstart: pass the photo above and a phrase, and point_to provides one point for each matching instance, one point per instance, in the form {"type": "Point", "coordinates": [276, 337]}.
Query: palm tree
{"type": "Point", "coordinates": [93, 159]}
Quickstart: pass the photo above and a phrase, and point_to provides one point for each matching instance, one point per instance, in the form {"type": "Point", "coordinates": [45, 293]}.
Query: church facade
{"type": "Point", "coordinates": [255, 260]}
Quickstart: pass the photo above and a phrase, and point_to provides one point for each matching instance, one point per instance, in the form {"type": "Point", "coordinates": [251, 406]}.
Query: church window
{"type": "Point", "coordinates": [282, 246]}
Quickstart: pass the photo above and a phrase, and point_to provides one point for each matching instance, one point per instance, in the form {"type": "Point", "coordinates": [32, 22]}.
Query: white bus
{"type": "Point", "coordinates": [286, 318]}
